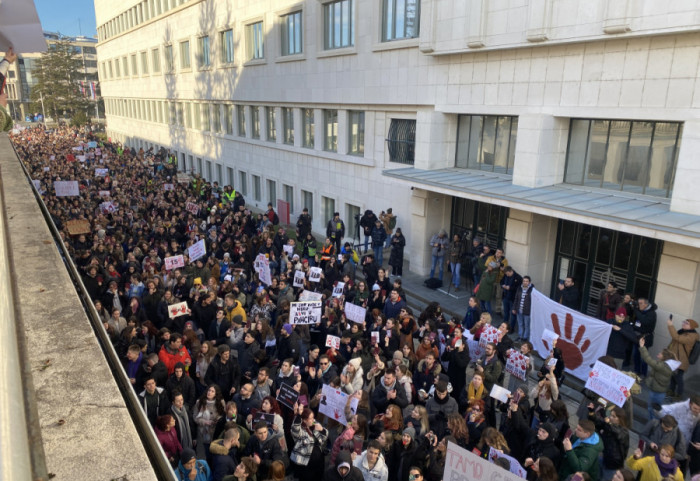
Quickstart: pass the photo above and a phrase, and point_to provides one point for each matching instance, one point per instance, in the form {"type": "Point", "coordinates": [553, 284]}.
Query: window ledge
{"type": "Point", "coordinates": [228, 65]}
{"type": "Point", "coordinates": [396, 44]}
{"type": "Point", "coordinates": [253, 62]}
{"type": "Point", "coordinates": [185, 70]}
{"type": "Point", "coordinates": [290, 58]}
{"type": "Point", "coordinates": [208, 68]}
{"type": "Point", "coordinates": [336, 52]}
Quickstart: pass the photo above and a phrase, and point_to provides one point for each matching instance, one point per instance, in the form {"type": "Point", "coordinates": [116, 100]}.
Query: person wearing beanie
{"type": "Point", "coordinates": [289, 345]}
{"type": "Point", "coordinates": [439, 407]}
{"type": "Point", "coordinates": [398, 359]}
{"type": "Point", "coordinates": [190, 466]}
{"type": "Point", "coordinates": [402, 456]}
{"type": "Point", "coordinates": [622, 336]}
{"type": "Point", "coordinates": [682, 342]}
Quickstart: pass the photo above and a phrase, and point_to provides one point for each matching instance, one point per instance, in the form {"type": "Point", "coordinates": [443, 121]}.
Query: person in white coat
{"type": "Point", "coordinates": [371, 463]}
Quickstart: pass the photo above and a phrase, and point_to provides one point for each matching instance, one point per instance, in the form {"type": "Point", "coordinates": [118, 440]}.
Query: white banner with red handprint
{"type": "Point", "coordinates": [582, 339]}
{"type": "Point", "coordinates": [609, 383]}
{"type": "Point", "coordinates": [179, 309]}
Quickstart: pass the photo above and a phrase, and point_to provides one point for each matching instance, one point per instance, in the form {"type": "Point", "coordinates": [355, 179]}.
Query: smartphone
{"type": "Point", "coordinates": [357, 442]}
{"type": "Point", "coordinates": [568, 434]}
{"type": "Point", "coordinates": [641, 444]}
{"type": "Point", "coordinates": [296, 370]}
{"type": "Point", "coordinates": [303, 400]}
{"type": "Point", "coordinates": [516, 397]}
{"type": "Point", "coordinates": [670, 316]}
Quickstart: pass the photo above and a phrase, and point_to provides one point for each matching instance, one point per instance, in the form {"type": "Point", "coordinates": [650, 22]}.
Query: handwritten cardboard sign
{"type": "Point", "coordinates": [610, 383]}
{"type": "Point", "coordinates": [462, 465]}
{"type": "Point", "coordinates": [174, 262]}
{"type": "Point", "coordinates": [333, 404]}
{"type": "Point", "coordinates": [66, 188]}
{"type": "Point", "coordinates": [77, 227]}
{"type": "Point", "coordinates": [306, 312]}
{"type": "Point", "coordinates": [299, 277]}
{"type": "Point", "coordinates": [338, 289]}
{"type": "Point", "coordinates": [355, 313]}
{"type": "Point", "coordinates": [310, 296]}
{"type": "Point", "coordinates": [315, 274]}
{"type": "Point", "coordinates": [197, 250]}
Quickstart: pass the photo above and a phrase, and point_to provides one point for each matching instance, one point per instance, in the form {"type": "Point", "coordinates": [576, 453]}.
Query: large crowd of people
{"type": "Point", "coordinates": [215, 381]}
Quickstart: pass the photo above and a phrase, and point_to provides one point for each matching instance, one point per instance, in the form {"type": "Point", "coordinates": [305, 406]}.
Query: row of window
{"type": "Point", "coordinates": [214, 172]}
{"type": "Point", "coordinates": [136, 15]}
{"type": "Point", "coordinates": [401, 19]}
{"type": "Point", "coordinates": [231, 119]}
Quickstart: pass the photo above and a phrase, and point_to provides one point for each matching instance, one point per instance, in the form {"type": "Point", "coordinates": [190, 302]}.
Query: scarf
{"type": "Point", "coordinates": [666, 469]}
{"type": "Point", "coordinates": [471, 394]}
{"type": "Point", "coordinates": [184, 423]}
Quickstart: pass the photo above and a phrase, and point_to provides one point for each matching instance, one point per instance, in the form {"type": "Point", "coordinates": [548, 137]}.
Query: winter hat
{"type": "Point", "coordinates": [410, 432]}
{"type": "Point", "coordinates": [398, 355]}
{"type": "Point", "coordinates": [288, 328]}
{"type": "Point", "coordinates": [621, 311]}
{"type": "Point", "coordinates": [376, 287]}
{"type": "Point", "coordinates": [237, 319]}
{"type": "Point", "coordinates": [355, 363]}
{"type": "Point", "coordinates": [187, 455]}
{"type": "Point", "coordinates": [551, 430]}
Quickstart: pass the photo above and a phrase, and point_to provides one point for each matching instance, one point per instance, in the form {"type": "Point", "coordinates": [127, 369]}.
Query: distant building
{"type": "Point", "coordinates": [21, 79]}
{"type": "Point", "coordinates": [564, 131]}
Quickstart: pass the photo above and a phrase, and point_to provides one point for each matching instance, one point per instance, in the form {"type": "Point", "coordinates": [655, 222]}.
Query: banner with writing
{"type": "Point", "coordinates": [610, 383]}
{"type": "Point", "coordinates": [197, 250]}
{"type": "Point", "coordinates": [315, 274]}
{"type": "Point", "coordinates": [306, 312]}
{"type": "Point", "coordinates": [174, 262]}
{"type": "Point", "coordinates": [462, 465]}
{"type": "Point", "coordinates": [66, 188]}
{"type": "Point", "coordinates": [355, 313]}
{"type": "Point", "coordinates": [299, 279]}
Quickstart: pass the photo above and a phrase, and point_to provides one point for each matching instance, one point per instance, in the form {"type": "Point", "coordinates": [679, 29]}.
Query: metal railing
{"type": "Point", "coordinates": [154, 450]}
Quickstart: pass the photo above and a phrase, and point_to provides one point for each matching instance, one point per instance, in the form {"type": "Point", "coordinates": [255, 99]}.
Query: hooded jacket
{"type": "Point", "coordinates": [424, 378]}
{"type": "Point", "coordinates": [583, 457]}
{"type": "Point", "coordinates": [380, 471]}
{"type": "Point", "coordinates": [224, 460]}
{"type": "Point", "coordinates": [537, 448]}
{"type": "Point", "coordinates": [333, 473]}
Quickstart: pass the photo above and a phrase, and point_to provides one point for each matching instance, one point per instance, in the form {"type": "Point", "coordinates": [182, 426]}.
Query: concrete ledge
{"type": "Point", "coordinates": [86, 429]}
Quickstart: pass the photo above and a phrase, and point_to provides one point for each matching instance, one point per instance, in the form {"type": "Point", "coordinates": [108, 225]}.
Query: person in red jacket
{"type": "Point", "coordinates": [173, 352]}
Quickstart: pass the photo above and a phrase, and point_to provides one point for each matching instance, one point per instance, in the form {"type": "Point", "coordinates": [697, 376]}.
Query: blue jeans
{"type": "Point", "coordinates": [367, 239]}
{"type": "Point", "coordinates": [508, 316]}
{"type": "Point", "coordinates": [387, 243]}
{"type": "Point", "coordinates": [435, 261]}
{"type": "Point", "coordinates": [655, 398]}
{"type": "Point", "coordinates": [640, 367]}
{"type": "Point", "coordinates": [378, 255]}
{"type": "Point", "coordinates": [455, 273]}
{"type": "Point", "coordinates": [485, 306]}
{"type": "Point", "coordinates": [523, 326]}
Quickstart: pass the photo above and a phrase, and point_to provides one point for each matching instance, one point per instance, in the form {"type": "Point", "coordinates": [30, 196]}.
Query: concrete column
{"type": "Point", "coordinates": [430, 212]}
{"type": "Point", "coordinates": [685, 198]}
{"type": "Point", "coordinates": [540, 151]}
{"type": "Point", "coordinates": [530, 246]}
{"type": "Point", "coordinates": [435, 145]}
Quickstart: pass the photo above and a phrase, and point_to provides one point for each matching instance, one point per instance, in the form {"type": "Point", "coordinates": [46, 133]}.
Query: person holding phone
{"type": "Point", "coordinates": [659, 466]}
{"type": "Point", "coordinates": [581, 451]}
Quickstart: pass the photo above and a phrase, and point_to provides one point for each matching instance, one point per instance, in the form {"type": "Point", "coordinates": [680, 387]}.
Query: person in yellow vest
{"type": "Point", "coordinates": [335, 230]}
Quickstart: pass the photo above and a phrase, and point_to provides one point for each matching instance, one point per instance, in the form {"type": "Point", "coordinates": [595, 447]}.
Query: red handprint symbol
{"type": "Point", "coordinates": [570, 349]}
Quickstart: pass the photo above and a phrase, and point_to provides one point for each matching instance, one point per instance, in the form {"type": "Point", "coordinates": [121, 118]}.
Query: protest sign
{"type": "Point", "coordinates": [549, 337]}
{"type": "Point", "coordinates": [52, 157]}
{"type": "Point", "coordinates": [98, 151]}
{"type": "Point", "coordinates": [499, 393]}
{"type": "Point", "coordinates": [610, 383]}
{"type": "Point", "coordinates": [107, 207]}
{"type": "Point", "coordinates": [183, 178]}
{"type": "Point", "coordinates": [66, 188]}
{"type": "Point", "coordinates": [81, 158]}
{"type": "Point", "coordinates": [287, 395]}
{"type": "Point", "coordinates": [315, 274]}
{"type": "Point", "coordinates": [263, 416]}
{"type": "Point", "coordinates": [37, 184]}
{"type": "Point", "coordinates": [262, 267]}
{"type": "Point", "coordinates": [355, 313]}
{"type": "Point", "coordinates": [516, 365]}
{"type": "Point", "coordinates": [374, 336]}
{"type": "Point", "coordinates": [332, 341]}
{"type": "Point", "coordinates": [101, 172]}
{"type": "Point", "coordinates": [476, 352]}
{"type": "Point", "coordinates": [338, 289]}
{"type": "Point", "coordinates": [306, 312]}
{"type": "Point", "coordinates": [174, 262]}
{"type": "Point", "coordinates": [489, 334]}
{"type": "Point", "coordinates": [299, 279]}
{"type": "Point", "coordinates": [333, 404]}
{"type": "Point", "coordinates": [515, 466]}
{"type": "Point", "coordinates": [105, 193]}
{"type": "Point", "coordinates": [289, 250]}
{"type": "Point", "coordinates": [192, 208]}
{"type": "Point", "coordinates": [462, 465]}
{"type": "Point", "coordinates": [310, 296]}
{"type": "Point", "coordinates": [78, 148]}
{"type": "Point", "coordinates": [168, 187]}
{"type": "Point", "coordinates": [76, 227]}
{"type": "Point", "coordinates": [179, 309]}
{"type": "Point", "coordinates": [46, 169]}
{"type": "Point", "coordinates": [197, 250]}
{"type": "Point", "coordinates": [92, 145]}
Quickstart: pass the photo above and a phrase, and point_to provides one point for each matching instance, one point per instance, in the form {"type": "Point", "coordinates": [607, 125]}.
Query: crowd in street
{"type": "Point", "coordinates": [215, 378]}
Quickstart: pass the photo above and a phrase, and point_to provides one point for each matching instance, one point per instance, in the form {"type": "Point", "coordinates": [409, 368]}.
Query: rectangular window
{"type": "Point", "coordinates": [307, 116]}
{"type": "Point", "coordinates": [117, 67]}
{"type": "Point", "coordinates": [203, 58]}
{"type": "Point", "coordinates": [400, 19]}
{"type": "Point", "coordinates": [197, 116]}
{"type": "Point", "coordinates": [188, 115]}
{"type": "Point", "coordinates": [228, 119]}
{"type": "Point", "coordinates": [356, 134]}
{"type": "Point", "coordinates": [180, 114]}
{"type": "Point", "coordinates": [226, 42]}
{"type": "Point", "coordinates": [208, 166]}
{"type": "Point", "coordinates": [352, 213]}
{"type": "Point", "coordinates": [229, 176]}
{"type": "Point", "coordinates": [254, 41]}
{"type": "Point", "coordinates": [288, 125]}
{"type": "Point", "coordinates": [144, 63]}
{"type": "Point", "coordinates": [125, 66]}
{"type": "Point", "coordinates": [200, 171]}
{"type": "Point", "coordinates": [632, 156]}
{"type": "Point", "coordinates": [291, 34]}
{"type": "Point", "coordinates": [289, 196]}
{"type": "Point", "coordinates": [256, 188]}
{"type": "Point", "coordinates": [111, 69]}
{"type": "Point", "coordinates": [338, 25]}
{"type": "Point", "coordinates": [206, 118]}
{"type": "Point", "coordinates": [217, 119]}
{"type": "Point", "coordinates": [155, 60]}
{"type": "Point", "coordinates": [486, 142]}
{"type": "Point", "coordinates": [185, 55]}
{"type": "Point", "coordinates": [327, 207]}
{"type": "Point", "coordinates": [134, 66]}
{"type": "Point", "coordinates": [272, 192]}
{"type": "Point", "coordinates": [271, 124]}
{"type": "Point", "coordinates": [307, 200]}
{"type": "Point", "coordinates": [219, 174]}
{"type": "Point", "coordinates": [255, 121]}
{"type": "Point", "coordinates": [240, 113]}
{"type": "Point", "coordinates": [401, 141]}
{"type": "Point", "coordinates": [330, 131]}
{"type": "Point", "coordinates": [169, 59]}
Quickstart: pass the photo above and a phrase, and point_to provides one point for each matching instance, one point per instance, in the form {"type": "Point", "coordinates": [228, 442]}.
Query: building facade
{"type": "Point", "coordinates": [21, 79]}
{"type": "Point", "coordinates": [565, 132]}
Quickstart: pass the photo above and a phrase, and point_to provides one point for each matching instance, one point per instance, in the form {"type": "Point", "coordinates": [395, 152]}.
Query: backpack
{"type": "Point", "coordinates": [694, 353]}
{"type": "Point", "coordinates": [392, 222]}
{"type": "Point", "coordinates": [433, 283]}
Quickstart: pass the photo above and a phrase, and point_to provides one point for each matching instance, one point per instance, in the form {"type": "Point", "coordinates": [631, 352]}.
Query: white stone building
{"type": "Point", "coordinates": [565, 131]}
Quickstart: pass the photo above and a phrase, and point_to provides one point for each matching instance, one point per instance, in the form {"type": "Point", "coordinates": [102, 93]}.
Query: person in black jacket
{"type": "Point", "coordinates": [541, 444]}
{"type": "Point", "coordinates": [388, 391]}
{"type": "Point", "coordinates": [509, 284]}
{"type": "Point", "coordinates": [522, 300]}
{"type": "Point", "coordinates": [289, 345]}
{"type": "Point", "coordinates": [343, 469]}
{"type": "Point", "coordinates": [218, 328]}
{"type": "Point", "coordinates": [403, 456]}
{"type": "Point", "coordinates": [223, 371]}
{"type": "Point", "coordinates": [457, 355]}
{"type": "Point", "coordinates": [514, 426]}
{"type": "Point", "coordinates": [615, 436]}
{"type": "Point", "coordinates": [568, 294]}
{"type": "Point", "coordinates": [264, 450]}
{"type": "Point", "coordinates": [246, 357]}
{"type": "Point", "coordinates": [367, 223]}
{"type": "Point", "coordinates": [644, 325]}
{"type": "Point", "coordinates": [180, 381]}
{"type": "Point", "coordinates": [154, 400]}
{"type": "Point", "coordinates": [622, 336]}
